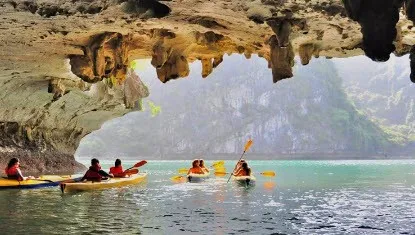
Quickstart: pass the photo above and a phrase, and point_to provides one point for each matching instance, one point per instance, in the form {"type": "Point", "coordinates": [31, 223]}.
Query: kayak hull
{"type": "Point", "coordinates": [105, 184]}
{"type": "Point", "coordinates": [244, 180]}
{"type": "Point", "coordinates": [41, 182]}
{"type": "Point", "coordinates": [196, 178]}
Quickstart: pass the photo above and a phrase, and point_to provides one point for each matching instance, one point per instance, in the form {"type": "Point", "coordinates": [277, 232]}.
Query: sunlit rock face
{"type": "Point", "coordinates": [64, 65]}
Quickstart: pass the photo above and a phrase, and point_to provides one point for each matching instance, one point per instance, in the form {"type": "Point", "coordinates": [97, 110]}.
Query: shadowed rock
{"type": "Point", "coordinates": [306, 51]}
{"type": "Point", "coordinates": [410, 9]}
{"type": "Point", "coordinates": [207, 67]}
{"type": "Point", "coordinates": [161, 54]}
{"type": "Point", "coordinates": [378, 20]}
{"type": "Point", "coordinates": [134, 90]}
{"type": "Point", "coordinates": [175, 67]}
{"type": "Point", "coordinates": [282, 30]}
{"type": "Point", "coordinates": [217, 61]}
{"type": "Point", "coordinates": [104, 56]}
{"type": "Point", "coordinates": [146, 8]}
{"type": "Point", "coordinates": [282, 60]}
{"type": "Point", "coordinates": [412, 58]}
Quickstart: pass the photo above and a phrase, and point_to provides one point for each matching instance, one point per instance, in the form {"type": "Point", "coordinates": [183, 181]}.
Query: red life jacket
{"type": "Point", "coordinates": [13, 172]}
{"type": "Point", "coordinates": [117, 171]}
{"type": "Point", "coordinates": [93, 174]}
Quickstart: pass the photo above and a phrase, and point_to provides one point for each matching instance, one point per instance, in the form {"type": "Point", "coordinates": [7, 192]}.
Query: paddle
{"type": "Point", "coordinates": [183, 170]}
{"type": "Point", "coordinates": [130, 172]}
{"type": "Point", "coordinates": [268, 173]}
{"type": "Point", "coordinates": [264, 173]}
{"type": "Point", "coordinates": [138, 164]}
{"type": "Point", "coordinates": [247, 146]}
{"type": "Point", "coordinates": [178, 179]}
{"type": "Point", "coordinates": [217, 164]}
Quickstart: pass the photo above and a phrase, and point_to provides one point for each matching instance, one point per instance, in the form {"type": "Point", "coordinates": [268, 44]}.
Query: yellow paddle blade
{"type": "Point", "coordinates": [220, 169]}
{"type": "Point", "coordinates": [269, 185]}
{"type": "Point", "coordinates": [178, 178]}
{"type": "Point", "coordinates": [218, 163]}
{"type": "Point", "coordinates": [248, 145]}
{"type": "Point", "coordinates": [220, 174]}
{"type": "Point", "coordinates": [183, 170]}
{"type": "Point", "coordinates": [268, 173]}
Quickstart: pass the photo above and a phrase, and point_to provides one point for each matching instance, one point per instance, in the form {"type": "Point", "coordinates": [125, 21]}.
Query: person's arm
{"type": "Point", "coordinates": [237, 172]}
{"type": "Point", "coordinates": [105, 174]}
{"type": "Point", "coordinates": [20, 175]}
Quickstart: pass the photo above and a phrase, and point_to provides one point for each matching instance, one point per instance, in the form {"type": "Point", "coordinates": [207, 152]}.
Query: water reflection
{"type": "Point", "coordinates": [365, 202]}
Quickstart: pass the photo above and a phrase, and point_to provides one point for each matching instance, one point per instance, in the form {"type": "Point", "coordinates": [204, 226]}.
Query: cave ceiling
{"type": "Point", "coordinates": [66, 66]}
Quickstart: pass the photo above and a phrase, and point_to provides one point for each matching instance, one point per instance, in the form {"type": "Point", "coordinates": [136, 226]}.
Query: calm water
{"type": "Point", "coordinates": [306, 197]}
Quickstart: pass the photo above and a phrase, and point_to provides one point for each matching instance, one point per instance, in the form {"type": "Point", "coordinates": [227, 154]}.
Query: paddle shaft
{"type": "Point", "coordinates": [236, 165]}
{"type": "Point", "coordinates": [138, 164]}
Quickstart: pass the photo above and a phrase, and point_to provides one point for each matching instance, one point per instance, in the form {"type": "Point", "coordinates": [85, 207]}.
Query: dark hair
{"type": "Point", "coordinates": [94, 161]}
{"type": "Point", "coordinates": [201, 163]}
{"type": "Point", "coordinates": [12, 162]}
{"type": "Point", "coordinates": [246, 168]}
{"type": "Point", "coordinates": [118, 162]}
{"type": "Point", "coordinates": [195, 162]}
{"type": "Point", "coordinates": [245, 165]}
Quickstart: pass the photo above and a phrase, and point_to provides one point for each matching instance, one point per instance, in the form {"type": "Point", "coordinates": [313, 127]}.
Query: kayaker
{"type": "Point", "coordinates": [244, 170]}
{"type": "Point", "coordinates": [238, 166]}
{"type": "Point", "coordinates": [13, 170]}
{"type": "Point", "coordinates": [195, 168]}
{"type": "Point", "coordinates": [95, 173]}
{"type": "Point", "coordinates": [117, 170]}
{"type": "Point", "coordinates": [202, 165]}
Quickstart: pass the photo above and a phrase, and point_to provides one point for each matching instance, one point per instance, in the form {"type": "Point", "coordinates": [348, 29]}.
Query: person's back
{"type": "Point", "coordinates": [202, 166]}
{"type": "Point", "coordinates": [117, 170]}
{"type": "Point", "coordinates": [13, 170]}
{"type": "Point", "coordinates": [94, 173]}
{"type": "Point", "coordinates": [195, 168]}
{"type": "Point", "coordinates": [244, 170]}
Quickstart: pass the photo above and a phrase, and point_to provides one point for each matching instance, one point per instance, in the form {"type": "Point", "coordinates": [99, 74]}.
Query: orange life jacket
{"type": "Point", "coordinates": [117, 171]}
{"type": "Point", "coordinates": [196, 170]}
{"type": "Point", "coordinates": [13, 172]}
{"type": "Point", "coordinates": [243, 172]}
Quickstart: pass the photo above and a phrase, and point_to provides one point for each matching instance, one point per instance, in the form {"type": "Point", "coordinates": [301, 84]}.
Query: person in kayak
{"type": "Point", "coordinates": [95, 173]}
{"type": "Point", "coordinates": [13, 170]}
{"type": "Point", "coordinates": [244, 170]}
{"type": "Point", "coordinates": [195, 168]}
{"type": "Point", "coordinates": [238, 166]}
{"type": "Point", "coordinates": [117, 170]}
{"type": "Point", "coordinates": [202, 165]}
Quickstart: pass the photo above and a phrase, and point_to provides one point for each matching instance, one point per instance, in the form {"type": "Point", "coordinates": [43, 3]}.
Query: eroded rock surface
{"type": "Point", "coordinates": [64, 64]}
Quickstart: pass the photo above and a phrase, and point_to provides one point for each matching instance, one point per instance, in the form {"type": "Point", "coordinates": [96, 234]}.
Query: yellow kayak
{"type": "Point", "coordinates": [41, 181]}
{"type": "Point", "coordinates": [245, 180]}
{"type": "Point", "coordinates": [110, 183]}
{"type": "Point", "coordinates": [198, 177]}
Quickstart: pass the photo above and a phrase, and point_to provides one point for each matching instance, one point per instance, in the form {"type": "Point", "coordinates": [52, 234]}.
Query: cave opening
{"type": "Point", "coordinates": [325, 109]}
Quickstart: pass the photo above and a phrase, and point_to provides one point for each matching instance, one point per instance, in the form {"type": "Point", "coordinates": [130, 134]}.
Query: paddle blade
{"type": "Point", "coordinates": [218, 163]}
{"type": "Point", "coordinates": [220, 174]}
{"type": "Point", "coordinates": [221, 169]}
{"type": "Point", "coordinates": [178, 179]}
{"type": "Point", "coordinates": [131, 172]}
{"type": "Point", "coordinates": [140, 163]}
{"type": "Point", "coordinates": [268, 173]}
{"type": "Point", "coordinates": [248, 145]}
{"type": "Point", "coordinates": [183, 170]}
